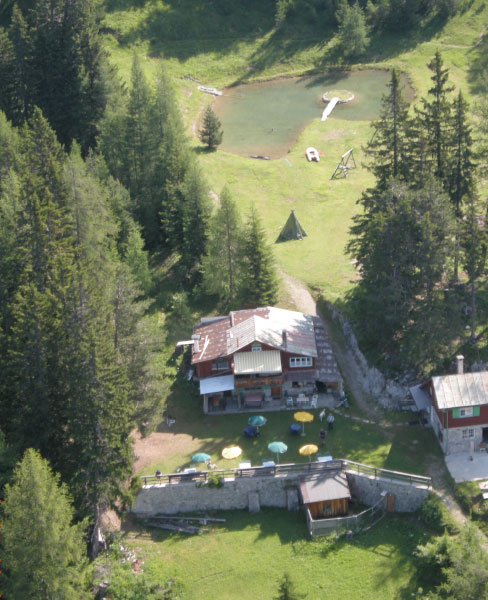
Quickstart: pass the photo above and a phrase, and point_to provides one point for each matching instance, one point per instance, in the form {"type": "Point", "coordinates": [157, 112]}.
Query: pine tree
{"type": "Point", "coordinates": [432, 132]}
{"type": "Point", "coordinates": [196, 213]}
{"type": "Point", "coordinates": [402, 257]}
{"type": "Point", "coordinates": [260, 283]}
{"type": "Point", "coordinates": [221, 263]}
{"type": "Point", "coordinates": [353, 31]}
{"type": "Point", "coordinates": [387, 149]}
{"type": "Point", "coordinates": [43, 550]}
{"type": "Point", "coordinates": [211, 133]}
{"type": "Point", "coordinates": [473, 236]}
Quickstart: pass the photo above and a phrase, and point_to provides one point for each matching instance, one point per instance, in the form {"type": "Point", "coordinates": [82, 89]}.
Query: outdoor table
{"type": "Point", "coordinates": [253, 400]}
{"type": "Point", "coordinates": [245, 465]}
{"type": "Point", "coordinates": [302, 400]}
{"type": "Point", "coordinates": [269, 463]}
{"type": "Point", "coordinates": [190, 470]}
{"type": "Point", "coordinates": [324, 458]}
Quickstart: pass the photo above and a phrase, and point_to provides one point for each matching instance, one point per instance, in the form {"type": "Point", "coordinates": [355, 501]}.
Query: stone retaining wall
{"type": "Point", "coordinates": [254, 492]}
{"type": "Point", "coordinates": [367, 489]}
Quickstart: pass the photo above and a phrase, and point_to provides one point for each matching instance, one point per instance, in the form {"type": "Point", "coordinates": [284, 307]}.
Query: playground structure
{"type": "Point", "coordinates": [347, 162]}
{"type": "Point", "coordinates": [329, 108]}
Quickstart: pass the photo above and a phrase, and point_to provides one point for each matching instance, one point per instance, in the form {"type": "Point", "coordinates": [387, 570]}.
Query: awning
{"type": "Point", "coordinates": [421, 398]}
{"type": "Point", "coordinates": [324, 488]}
{"type": "Point", "coordinates": [265, 362]}
{"type": "Point", "coordinates": [212, 385]}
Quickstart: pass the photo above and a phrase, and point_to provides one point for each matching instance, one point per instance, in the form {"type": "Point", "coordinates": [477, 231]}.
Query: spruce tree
{"type": "Point", "coordinates": [221, 264]}
{"type": "Point", "coordinates": [260, 282]}
{"type": "Point", "coordinates": [353, 31]}
{"type": "Point", "coordinates": [211, 133]}
{"type": "Point", "coordinates": [287, 590]}
{"type": "Point", "coordinates": [44, 551]}
{"type": "Point", "coordinates": [433, 127]}
{"type": "Point", "coordinates": [196, 213]}
{"type": "Point", "coordinates": [387, 149]}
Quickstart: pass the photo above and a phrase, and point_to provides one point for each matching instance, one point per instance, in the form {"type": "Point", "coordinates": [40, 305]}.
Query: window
{"type": "Point", "coordinates": [466, 412]}
{"type": "Point", "coordinates": [220, 363]}
{"type": "Point", "coordinates": [256, 347]}
{"type": "Point", "coordinates": [300, 361]}
{"type": "Point", "coordinates": [468, 434]}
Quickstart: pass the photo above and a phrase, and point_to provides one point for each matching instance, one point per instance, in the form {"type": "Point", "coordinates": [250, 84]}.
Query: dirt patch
{"type": "Point", "coordinates": [160, 445]}
{"type": "Point", "coordinates": [334, 134]}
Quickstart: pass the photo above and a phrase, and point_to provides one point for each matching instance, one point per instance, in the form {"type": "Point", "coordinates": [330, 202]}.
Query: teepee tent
{"type": "Point", "coordinates": [292, 229]}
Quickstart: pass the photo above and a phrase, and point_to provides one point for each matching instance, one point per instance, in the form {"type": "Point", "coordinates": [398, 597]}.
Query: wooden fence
{"type": "Point", "coordinates": [331, 466]}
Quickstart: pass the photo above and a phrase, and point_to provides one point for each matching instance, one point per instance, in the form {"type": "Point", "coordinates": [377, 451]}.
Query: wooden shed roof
{"type": "Point", "coordinates": [323, 488]}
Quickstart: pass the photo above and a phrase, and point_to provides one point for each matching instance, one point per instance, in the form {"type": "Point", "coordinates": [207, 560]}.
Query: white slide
{"type": "Point", "coordinates": [329, 108]}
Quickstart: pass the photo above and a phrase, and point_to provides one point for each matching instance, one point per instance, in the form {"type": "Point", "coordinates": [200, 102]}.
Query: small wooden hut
{"type": "Point", "coordinates": [326, 495]}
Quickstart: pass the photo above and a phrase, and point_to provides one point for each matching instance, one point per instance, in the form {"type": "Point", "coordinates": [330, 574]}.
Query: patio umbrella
{"type": "Point", "coordinates": [257, 421]}
{"type": "Point", "coordinates": [308, 450]}
{"type": "Point", "coordinates": [200, 457]}
{"type": "Point", "coordinates": [278, 448]}
{"type": "Point", "coordinates": [231, 452]}
{"type": "Point", "coordinates": [303, 417]}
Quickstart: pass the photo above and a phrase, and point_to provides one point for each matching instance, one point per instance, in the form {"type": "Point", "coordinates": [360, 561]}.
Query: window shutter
{"type": "Point", "coordinates": [476, 411]}
{"type": "Point", "coordinates": [455, 413]}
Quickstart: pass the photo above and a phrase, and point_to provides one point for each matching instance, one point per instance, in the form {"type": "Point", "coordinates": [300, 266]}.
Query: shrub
{"type": "Point", "coordinates": [436, 516]}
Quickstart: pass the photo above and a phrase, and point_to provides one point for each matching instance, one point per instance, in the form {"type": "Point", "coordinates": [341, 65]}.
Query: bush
{"type": "Point", "coordinates": [214, 481]}
{"type": "Point", "coordinates": [436, 516]}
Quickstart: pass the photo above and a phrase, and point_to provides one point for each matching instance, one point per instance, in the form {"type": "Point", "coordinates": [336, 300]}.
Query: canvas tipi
{"type": "Point", "coordinates": [292, 229]}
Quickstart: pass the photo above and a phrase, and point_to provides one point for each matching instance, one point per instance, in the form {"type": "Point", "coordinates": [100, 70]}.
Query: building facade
{"type": "Point", "coordinates": [261, 357]}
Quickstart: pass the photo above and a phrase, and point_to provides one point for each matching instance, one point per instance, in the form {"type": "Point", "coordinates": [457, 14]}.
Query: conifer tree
{"type": "Point", "coordinates": [222, 261]}
{"type": "Point", "coordinates": [387, 149]}
{"type": "Point", "coordinates": [43, 549]}
{"type": "Point", "coordinates": [211, 133]}
{"type": "Point", "coordinates": [196, 213]}
{"type": "Point", "coordinates": [287, 590]}
{"type": "Point", "coordinates": [433, 127]}
{"type": "Point", "coordinates": [260, 283]}
{"type": "Point", "coordinates": [353, 31]}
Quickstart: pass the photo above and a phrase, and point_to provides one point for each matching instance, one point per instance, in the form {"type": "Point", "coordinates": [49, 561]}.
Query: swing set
{"type": "Point", "coordinates": [347, 162]}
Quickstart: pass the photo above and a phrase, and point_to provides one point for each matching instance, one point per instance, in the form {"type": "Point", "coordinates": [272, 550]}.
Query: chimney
{"type": "Point", "coordinates": [196, 346]}
{"type": "Point", "coordinates": [231, 319]}
{"type": "Point", "coordinates": [460, 364]}
{"type": "Point", "coordinates": [283, 333]}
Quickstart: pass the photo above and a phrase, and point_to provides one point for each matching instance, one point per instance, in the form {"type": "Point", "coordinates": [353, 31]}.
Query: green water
{"type": "Point", "coordinates": [266, 118]}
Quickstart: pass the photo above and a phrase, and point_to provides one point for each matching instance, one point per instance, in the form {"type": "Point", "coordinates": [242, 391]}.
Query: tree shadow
{"type": "Point", "coordinates": [478, 65]}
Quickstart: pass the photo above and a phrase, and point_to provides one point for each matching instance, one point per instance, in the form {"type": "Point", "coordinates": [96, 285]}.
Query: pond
{"type": "Point", "coordinates": [267, 118]}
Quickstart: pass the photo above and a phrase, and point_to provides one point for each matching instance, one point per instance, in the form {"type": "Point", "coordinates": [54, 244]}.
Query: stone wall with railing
{"type": "Point", "coordinates": [276, 486]}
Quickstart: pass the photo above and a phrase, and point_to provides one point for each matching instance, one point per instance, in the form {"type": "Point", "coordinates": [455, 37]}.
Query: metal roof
{"type": "Point", "coordinates": [212, 385]}
{"type": "Point", "coordinates": [267, 361]}
{"type": "Point", "coordinates": [286, 330]}
{"type": "Point", "coordinates": [466, 389]}
{"type": "Point", "coordinates": [322, 488]}
{"type": "Point", "coordinates": [420, 397]}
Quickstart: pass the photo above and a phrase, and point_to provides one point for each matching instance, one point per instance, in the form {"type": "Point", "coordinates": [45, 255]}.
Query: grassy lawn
{"type": "Point", "coordinates": [400, 448]}
{"type": "Point", "coordinates": [246, 557]}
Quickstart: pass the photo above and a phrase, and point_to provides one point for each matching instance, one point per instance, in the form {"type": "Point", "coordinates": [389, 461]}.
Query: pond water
{"type": "Point", "coordinates": [267, 118]}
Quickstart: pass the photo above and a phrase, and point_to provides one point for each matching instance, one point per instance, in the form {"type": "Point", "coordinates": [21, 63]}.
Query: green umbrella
{"type": "Point", "coordinates": [278, 447]}
{"type": "Point", "coordinates": [257, 421]}
{"type": "Point", "coordinates": [201, 457]}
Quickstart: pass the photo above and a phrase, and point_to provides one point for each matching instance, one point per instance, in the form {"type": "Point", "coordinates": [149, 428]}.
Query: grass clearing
{"type": "Point", "coordinates": [246, 557]}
